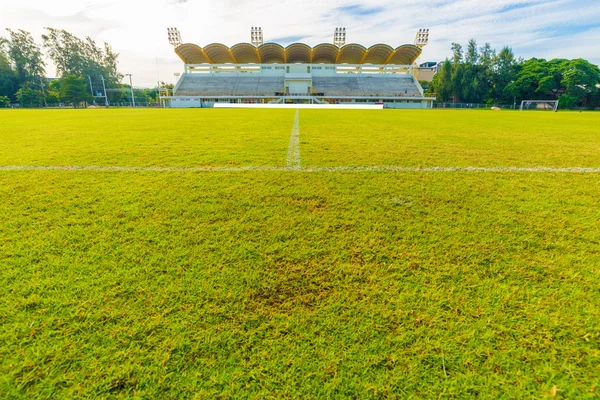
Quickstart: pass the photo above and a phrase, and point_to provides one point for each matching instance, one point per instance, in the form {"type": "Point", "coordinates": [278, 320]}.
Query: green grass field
{"type": "Point", "coordinates": [263, 282]}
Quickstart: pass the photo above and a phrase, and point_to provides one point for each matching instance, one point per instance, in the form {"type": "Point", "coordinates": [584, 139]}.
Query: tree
{"type": "Point", "coordinates": [538, 79]}
{"type": "Point", "coordinates": [53, 92]}
{"type": "Point", "coordinates": [8, 78]}
{"type": "Point", "coordinates": [551, 83]}
{"type": "Point", "coordinates": [146, 95]}
{"type": "Point", "coordinates": [468, 77]}
{"type": "Point", "coordinates": [4, 101]}
{"type": "Point", "coordinates": [505, 67]}
{"type": "Point", "coordinates": [472, 56]}
{"type": "Point", "coordinates": [580, 79]}
{"type": "Point", "coordinates": [444, 86]}
{"type": "Point", "coordinates": [487, 56]}
{"type": "Point", "coordinates": [572, 82]}
{"type": "Point", "coordinates": [30, 97]}
{"type": "Point", "coordinates": [82, 57]}
{"type": "Point", "coordinates": [441, 85]}
{"type": "Point", "coordinates": [73, 89]}
{"type": "Point", "coordinates": [457, 53]}
{"type": "Point", "coordinates": [26, 57]}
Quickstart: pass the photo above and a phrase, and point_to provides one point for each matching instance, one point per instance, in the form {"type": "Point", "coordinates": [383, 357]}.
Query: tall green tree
{"type": "Point", "coordinates": [573, 82]}
{"type": "Point", "coordinates": [478, 75]}
{"type": "Point", "coordinates": [487, 55]}
{"type": "Point", "coordinates": [82, 57]}
{"type": "Point", "coordinates": [73, 90]}
{"type": "Point", "coordinates": [580, 80]}
{"type": "Point", "coordinates": [472, 56]}
{"type": "Point", "coordinates": [468, 78]}
{"type": "Point", "coordinates": [442, 82]}
{"type": "Point", "coordinates": [457, 53]}
{"type": "Point", "coordinates": [29, 96]}
{"type": "Point", "coordinates": [8, 77]}
{"type": "Point", "coordinates": [53, 92]}
{"type": "Point", "coordinates": [504, 67]}
{"type": "Point", "coordinates": [26, 58]}
{"type": "Point", "coordinates": [538, 79]}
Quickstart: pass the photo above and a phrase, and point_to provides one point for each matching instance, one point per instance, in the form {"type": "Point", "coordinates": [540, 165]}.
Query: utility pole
{"type": "Point", "coordinates": [105, 95]}
{"type": "Point", "coordinates": [92, 90]}
{"type": "Point", "coordinates": [43, 91]}
{"type": "Point", "coordinates": [131, 84]}
{"type": "Point", "coordinates": [160, 100]}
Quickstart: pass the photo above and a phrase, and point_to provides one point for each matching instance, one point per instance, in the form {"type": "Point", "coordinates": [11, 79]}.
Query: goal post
{"type": "Point", "coordinates": [539, 105]}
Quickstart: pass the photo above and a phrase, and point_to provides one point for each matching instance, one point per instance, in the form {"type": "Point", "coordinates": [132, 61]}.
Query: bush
{"type": "Point", "coordinates": [73, 89]}
{"type": "Point", "coordinates": [566, 101]}
{"type": "Point", "coordinates": [29, 97]}
{"type": "Point", "coordinates": [4, 101]}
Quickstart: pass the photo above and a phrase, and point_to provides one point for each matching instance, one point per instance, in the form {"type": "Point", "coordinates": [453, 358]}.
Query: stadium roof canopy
{"type": "Point", "coordinates": [297, 53]}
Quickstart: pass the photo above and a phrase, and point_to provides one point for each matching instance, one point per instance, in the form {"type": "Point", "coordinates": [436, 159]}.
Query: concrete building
{"type": "Point", "coordinates": [325, 74]}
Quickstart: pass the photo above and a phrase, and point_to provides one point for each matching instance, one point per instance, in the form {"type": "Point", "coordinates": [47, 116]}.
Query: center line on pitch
{"type": "Point", "coordinates": [293, 157]}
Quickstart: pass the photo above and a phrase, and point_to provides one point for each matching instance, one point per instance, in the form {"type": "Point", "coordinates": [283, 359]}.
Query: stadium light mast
{"type": "Point", "coordinates": [422, 38]}
{"type": "Point", "coordinates": [339, 37]}
{"type": "Point", "coordinates": [174, 37]}
{"type": "Point", "coordinates": [256, 36]}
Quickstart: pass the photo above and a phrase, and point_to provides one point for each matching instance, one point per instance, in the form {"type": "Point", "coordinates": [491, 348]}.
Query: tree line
{"type": "Point", "coordinates": [83, 69]}
{"type": "Point", "coordinates": [482, 75]}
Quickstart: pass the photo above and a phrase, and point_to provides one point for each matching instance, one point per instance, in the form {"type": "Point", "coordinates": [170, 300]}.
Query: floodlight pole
{"type": "Point", "coordinates": [339, 37]}
{"type": "Point", "coordinates": [256, 36]}
{"type": "Point", "coordinates": [131, 84]}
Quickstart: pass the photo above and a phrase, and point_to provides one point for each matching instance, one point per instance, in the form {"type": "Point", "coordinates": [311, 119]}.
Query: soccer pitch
{"type": "Point", "coordinates": [320, 254]}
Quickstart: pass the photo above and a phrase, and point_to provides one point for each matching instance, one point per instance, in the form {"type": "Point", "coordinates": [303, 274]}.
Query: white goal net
{"type": "Point", "coordinates": [539, 105]}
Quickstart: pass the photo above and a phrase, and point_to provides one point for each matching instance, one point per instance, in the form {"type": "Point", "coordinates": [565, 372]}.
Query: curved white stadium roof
{"type": "Point", "coordinates": [297, 53]}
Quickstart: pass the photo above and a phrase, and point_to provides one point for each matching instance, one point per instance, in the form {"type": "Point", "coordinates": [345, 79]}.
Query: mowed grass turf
{"type": "Point", "coordinates": [287, 284]}
{"type": "Point", "coordinates": [445, 138]}
{"type": "Point", "coordinates": [242, 138]}
{"type": "Point", "coordinates": [150, 137]}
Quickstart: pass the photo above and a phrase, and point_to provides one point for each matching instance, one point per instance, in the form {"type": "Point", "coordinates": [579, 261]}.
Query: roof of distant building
{"type": "Point", "coordinates": [298, 53]}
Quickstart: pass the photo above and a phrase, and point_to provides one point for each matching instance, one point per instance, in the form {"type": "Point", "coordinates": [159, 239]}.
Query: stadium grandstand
{"type": "Point", "coordinates": [268, 73]}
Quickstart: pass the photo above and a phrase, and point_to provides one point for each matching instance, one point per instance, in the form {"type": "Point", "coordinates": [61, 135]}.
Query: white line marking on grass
{"type": "Point", "coordinates": [392, 168]}
{"type": "Point", "coordinates": [134, 169]}
{"type": "Point", "coordinates": [572, 170]}
{"type": "Point", "coordinates": [293, 158]}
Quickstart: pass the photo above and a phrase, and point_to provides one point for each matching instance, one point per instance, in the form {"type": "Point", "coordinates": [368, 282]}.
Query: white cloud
{"type": "Point", "coordinates": [137, 28]}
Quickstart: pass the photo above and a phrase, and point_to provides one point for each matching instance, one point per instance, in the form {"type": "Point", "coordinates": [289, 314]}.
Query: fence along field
{"type": "Point", "coordinates": [328, 280]}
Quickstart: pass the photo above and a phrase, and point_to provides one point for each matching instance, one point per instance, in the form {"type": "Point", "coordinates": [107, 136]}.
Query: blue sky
{"type": "Point", "coordinates": [137, 28]}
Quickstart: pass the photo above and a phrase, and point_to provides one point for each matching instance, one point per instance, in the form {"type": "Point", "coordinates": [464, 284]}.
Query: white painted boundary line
{"type": "Point", "coordinates": [134, 169]}
{"type": "Point", "coordinates": [570, 170]}
{"type": "Point", "coordinates": [293, 157]}
{"type": "Point", "coordinates": [392, 168]}
{"type": "Point", "coordinates": [304, 106]}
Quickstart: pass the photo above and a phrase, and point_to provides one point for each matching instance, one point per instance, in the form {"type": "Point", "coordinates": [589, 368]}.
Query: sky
{"type": "Point", "coordinates": [137, 29]}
